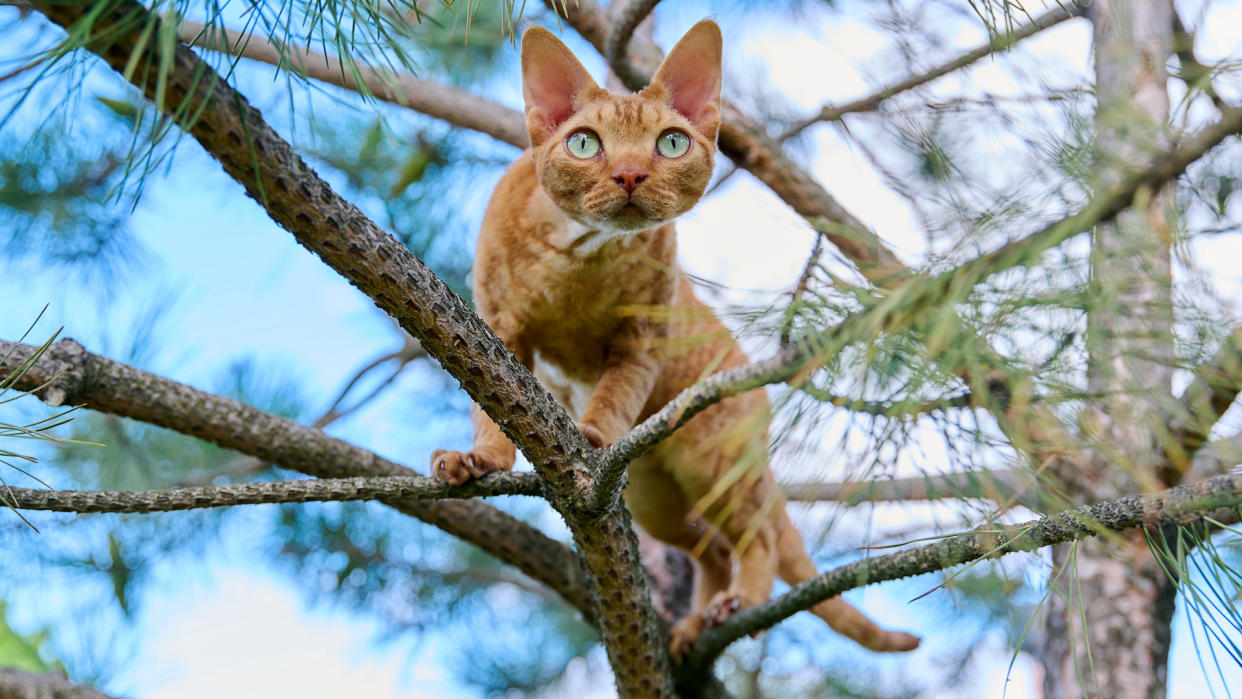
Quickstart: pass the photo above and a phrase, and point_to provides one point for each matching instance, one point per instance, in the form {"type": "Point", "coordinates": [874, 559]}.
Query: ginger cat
{"type": "Point", "coordinates": [576, 272]}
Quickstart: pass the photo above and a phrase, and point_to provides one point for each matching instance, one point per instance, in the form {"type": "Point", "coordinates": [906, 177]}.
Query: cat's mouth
{"type": "Point", "coordinates": [629, 212]}
{"type": "Point", "coordinates": [631, 216]}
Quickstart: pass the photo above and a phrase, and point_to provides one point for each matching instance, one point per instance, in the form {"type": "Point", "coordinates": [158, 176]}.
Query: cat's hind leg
{"type": "Point", "coordinates": [659, 507]}
{"type": "Point", "coordinates": [754, 541]}
{"type": "Point", "coordinates": [713, 575]}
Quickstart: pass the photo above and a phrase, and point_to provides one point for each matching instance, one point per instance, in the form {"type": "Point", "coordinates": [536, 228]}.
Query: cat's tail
{"type": "Point", "coordinates": [797, 567]}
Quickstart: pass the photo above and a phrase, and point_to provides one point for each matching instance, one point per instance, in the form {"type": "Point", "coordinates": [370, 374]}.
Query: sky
{"type": "Point", "coordinates": [225, 626]}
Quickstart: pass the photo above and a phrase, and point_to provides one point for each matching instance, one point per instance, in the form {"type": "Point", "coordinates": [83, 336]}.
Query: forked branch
{"type": "Point", "coordinates": [624, 21]}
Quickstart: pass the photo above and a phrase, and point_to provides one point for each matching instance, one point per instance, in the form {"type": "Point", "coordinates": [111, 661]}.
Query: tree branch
{"type": "Point", "coordinates": [16, 684]}
{"type": "Point", "coordinates": [451, 104]}
{"type": "Point", "coordinates": [1217, 498]}
{"type": "Point", "coordinates": [410, 350]}
{"type": "Point", "coordinates": [625, 21]}
{"type": "Point", "coordinates": [69, 375]}
{"type": "Point", "coordinates": [999, 42]}
{"type": "Point", "coordinates": [383, 488]}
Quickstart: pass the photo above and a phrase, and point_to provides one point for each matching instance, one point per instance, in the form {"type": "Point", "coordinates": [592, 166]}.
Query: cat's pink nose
{"type": "Point", "coordinates": [629, 178]}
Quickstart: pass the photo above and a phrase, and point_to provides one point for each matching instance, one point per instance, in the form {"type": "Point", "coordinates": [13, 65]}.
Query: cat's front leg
{"type": "Point", "coordinates": [492, 450]}
{"type": "Point", "coordinates": [623, 388]}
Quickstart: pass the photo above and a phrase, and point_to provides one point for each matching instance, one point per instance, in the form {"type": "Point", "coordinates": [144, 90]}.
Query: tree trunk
{"type": "Point", "coordinates": [1108, 619]}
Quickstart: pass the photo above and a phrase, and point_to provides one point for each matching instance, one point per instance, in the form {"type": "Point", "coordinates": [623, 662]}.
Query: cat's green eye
{"type": "Point", "coordinates": [582, 144]}
{"type": "Point", "coordinates": [673, 143]}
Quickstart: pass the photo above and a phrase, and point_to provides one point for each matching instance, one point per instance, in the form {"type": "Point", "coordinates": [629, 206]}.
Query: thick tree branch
{"type": "Point", "coordinates": [16, 684]}
{"type": "Point", "coordinates": [234, 133]}
{"type": "Point", "coordinates": [383, 488]}
{"type": "Point", "coordinates": [451, 104]}
{"type": "Point", "coordinates": [906, 303]}
{"type": "Point", "coordinates": [625, 20]}
{"type": "Point", "coordinates": [70, 375]}
{"type": "Point", "coordinates": [1217, 498]}
{"type": "Point", "coordinates": [1000, 42]}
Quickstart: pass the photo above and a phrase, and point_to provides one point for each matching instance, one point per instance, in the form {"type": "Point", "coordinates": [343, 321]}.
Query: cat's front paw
{"type": "Point", "coordinates": [688, 628]}
{"type": "Point", "coordinates": [594, 435]}
{"type": "Point", "coordinates": [455, 467]}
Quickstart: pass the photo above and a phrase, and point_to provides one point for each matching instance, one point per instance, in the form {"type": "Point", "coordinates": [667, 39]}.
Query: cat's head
{"type": "Point", "coordinates": [623, 162]}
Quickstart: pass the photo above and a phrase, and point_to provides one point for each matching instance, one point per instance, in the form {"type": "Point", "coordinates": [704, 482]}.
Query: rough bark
{"type": "Point", "coordinates": [1108, 627]}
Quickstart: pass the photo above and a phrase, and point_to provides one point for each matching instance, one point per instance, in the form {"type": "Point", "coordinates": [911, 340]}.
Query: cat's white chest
{"type": "Point", "coordinates": [572, 394]}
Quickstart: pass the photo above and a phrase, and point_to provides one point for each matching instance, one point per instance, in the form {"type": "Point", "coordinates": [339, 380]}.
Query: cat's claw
{"type": "Point", "coordinates": [688, 629]}
{"type": "Point", "coordinates": [456, 468]}
{"type": "Point", "coordinates": [720, 609]}
{"type": "Point", "coordinates": [683, 634]}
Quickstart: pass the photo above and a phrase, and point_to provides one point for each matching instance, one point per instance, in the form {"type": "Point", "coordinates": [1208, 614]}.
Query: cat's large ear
{"type": "Point", "coordinates": [551, 79]}
{"type": "Point", "coordinates": [689, 77]}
